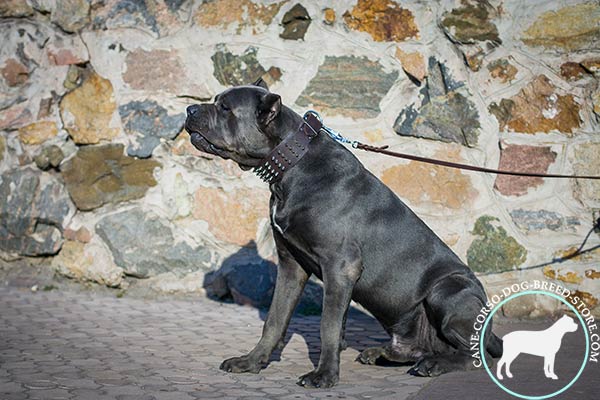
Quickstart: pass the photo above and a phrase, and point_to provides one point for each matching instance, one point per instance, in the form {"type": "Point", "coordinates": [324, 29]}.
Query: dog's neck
{"type": "Point", "coordinates": [289, 149]}
{"type": "Point", "coordinates": [284, 125]}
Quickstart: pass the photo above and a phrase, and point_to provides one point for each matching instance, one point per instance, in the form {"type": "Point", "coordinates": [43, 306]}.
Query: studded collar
{"type": "Point", "coordinates": [289, 151]}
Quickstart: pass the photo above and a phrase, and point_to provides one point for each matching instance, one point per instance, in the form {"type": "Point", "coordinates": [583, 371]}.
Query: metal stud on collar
{"type": "Point", "coordinates": [290, 150]}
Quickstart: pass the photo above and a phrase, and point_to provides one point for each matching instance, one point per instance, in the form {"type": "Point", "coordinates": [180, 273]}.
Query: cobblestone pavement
{"type": "Point", "coordinates": [64, 345]}
{"type": "Point", "coordinates": [68, 345]}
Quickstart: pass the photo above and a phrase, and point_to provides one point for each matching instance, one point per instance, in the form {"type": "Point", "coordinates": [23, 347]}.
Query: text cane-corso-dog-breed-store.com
{"type": "Point", "coordinates": [332, 218]}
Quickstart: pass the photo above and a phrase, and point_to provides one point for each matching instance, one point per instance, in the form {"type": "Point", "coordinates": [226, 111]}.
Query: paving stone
{"type": "Point", "coordinates": [53, 394]}
{"type": "Point", "coordinates": [11, 387]}
{"type": "Point", "coordinates": [14, 396]}
{"type": "Point", "coordinates": [90, 394]}
{"type": "Point", "coordinates": [144, 353]}
{"type": "Point", "coordinates": [33, 382]}
{"type": "Point", "coordinates": [174, 396]}
{"type": "Point", "coordinates": [80, 383]}
{"type": "Point", "coordinates": [125, 391]}
{"type": "Point", "coordinates": [206, 395]}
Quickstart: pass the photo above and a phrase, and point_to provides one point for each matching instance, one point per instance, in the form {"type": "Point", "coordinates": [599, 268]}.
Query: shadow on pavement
{"type": "Point", "coordinates": [248, 279]}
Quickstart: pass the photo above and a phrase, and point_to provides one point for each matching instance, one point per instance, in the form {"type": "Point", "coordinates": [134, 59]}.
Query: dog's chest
{"type": "Point", "coordinates": [284, 221]}
{"type": "Point", "coordinates": [274, 222]}
{"type": "Point", "coordinates": [281, 222]}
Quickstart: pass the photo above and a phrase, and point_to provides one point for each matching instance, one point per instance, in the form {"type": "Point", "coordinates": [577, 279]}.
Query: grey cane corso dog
{"type": "Point", "coordinates": [332, 218]}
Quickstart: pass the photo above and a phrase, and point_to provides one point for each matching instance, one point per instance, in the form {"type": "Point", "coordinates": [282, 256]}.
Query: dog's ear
{"type": "Point", "coordinates": [261, 83]}
{"type": "Point", "coordinates": [268, 109]}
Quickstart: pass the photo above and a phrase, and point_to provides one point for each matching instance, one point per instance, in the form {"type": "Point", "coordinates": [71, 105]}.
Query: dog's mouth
{"type": "Point", "coordinates": [200, 142]}
{"type": "Point", "coordinates": [203, 144]}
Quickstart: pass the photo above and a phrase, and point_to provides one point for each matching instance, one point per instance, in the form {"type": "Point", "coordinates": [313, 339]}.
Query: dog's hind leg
{"type": "Point", "coordinates": [404, 347]}
{"type": "Point", "coordinates": [452, 307]}
{"type": "Point", "coordinates": [391, 352]}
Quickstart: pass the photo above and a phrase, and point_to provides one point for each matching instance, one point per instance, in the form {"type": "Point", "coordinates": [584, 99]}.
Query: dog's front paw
{"type": "Point", "coordinates": [319, 379]}
{"type": "Point", "coordinates": [241, 364]}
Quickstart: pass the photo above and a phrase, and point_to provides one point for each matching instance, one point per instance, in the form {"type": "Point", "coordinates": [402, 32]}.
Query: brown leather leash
{"type": "Point", "coordinates": [309, 115]}
{"type": "Point", "coordinates": [289, 152]}
{"type": "Point", "coordinates": [383, 150]}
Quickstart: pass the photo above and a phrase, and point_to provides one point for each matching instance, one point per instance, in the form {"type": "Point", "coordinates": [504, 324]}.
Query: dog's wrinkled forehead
{"type": "Point", "coordinates": [240, 97]}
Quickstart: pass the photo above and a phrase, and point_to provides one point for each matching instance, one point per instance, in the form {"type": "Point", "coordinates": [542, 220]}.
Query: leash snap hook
{"type": "Point", "coordinates": [315, 114]}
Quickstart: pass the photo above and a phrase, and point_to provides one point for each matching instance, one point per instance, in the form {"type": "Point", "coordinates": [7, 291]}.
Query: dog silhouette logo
{"type": "Point", "coordinates": [544, 343]}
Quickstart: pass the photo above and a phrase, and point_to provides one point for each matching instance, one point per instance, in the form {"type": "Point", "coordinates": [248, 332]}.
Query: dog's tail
{"type": "Point", "coordinates": [494, 346]}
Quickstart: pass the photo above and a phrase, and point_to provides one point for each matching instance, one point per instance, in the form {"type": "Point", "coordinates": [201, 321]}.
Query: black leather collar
{"type": "Point", "coordinates": [289, 151]}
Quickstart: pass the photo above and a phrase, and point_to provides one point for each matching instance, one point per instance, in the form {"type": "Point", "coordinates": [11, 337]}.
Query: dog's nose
{"type": "Point", "coordinates": [192, 110]}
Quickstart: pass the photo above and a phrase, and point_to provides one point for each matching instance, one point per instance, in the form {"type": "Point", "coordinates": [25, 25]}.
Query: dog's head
{"type": "Point", "coordinates": [567, 323]}
{"type": "Point", "coordinates": [237, 125]}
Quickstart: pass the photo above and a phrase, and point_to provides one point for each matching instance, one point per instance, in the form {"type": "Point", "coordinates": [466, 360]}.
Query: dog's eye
{"type": "Point", "coordinates": [224, 107]}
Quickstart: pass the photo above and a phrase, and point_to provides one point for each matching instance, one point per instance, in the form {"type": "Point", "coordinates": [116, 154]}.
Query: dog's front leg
{"type": "Point", "coordinates": [338, 288]}
{"type": "Point", "coordinates": [291, 279]}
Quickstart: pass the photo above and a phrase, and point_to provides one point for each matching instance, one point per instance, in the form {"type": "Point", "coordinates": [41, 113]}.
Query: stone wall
{"type": "Point", "coordinates": [97, 173]}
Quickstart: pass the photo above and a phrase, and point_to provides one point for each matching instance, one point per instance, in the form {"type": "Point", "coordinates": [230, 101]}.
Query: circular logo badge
{"type": "Point", "coordinates": [543, 343]}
